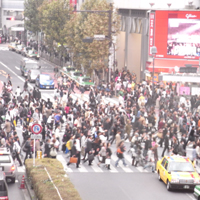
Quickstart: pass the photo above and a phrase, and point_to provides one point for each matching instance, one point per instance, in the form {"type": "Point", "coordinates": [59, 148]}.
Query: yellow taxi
{"type": "Point", "coordinates": [177, 172]}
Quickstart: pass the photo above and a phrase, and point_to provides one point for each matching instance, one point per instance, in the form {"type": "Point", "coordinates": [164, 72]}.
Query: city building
{"type": "Point", "coordinates": [171, 26]}
{"type": "Point", "coordinates": [11, 20]}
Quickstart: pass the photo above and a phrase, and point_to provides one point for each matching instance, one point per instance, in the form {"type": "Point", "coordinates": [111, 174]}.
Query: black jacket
{"type": "Point", "coordinates": [166, 141]}
{"type": "Point", "coordinates": [47, 148]}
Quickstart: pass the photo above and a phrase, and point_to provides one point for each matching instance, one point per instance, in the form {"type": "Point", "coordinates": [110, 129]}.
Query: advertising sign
{"type": "Point", "coordinates": [151, 31]}
{"type": "Point", "coordinates": [184, 91]}
{"type": "Point", "coordinates": [177, 34]}
{"type": "Point", "coordinates": [195, 91]}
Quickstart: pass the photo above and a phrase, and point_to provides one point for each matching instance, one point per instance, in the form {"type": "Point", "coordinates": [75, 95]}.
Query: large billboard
{"type": "Point", "coordinates": [177, 34]}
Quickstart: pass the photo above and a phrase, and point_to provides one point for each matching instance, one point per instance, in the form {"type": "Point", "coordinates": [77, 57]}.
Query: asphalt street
{"type": "Point", "coordinates": [123, 184]}
{"type": "Point", "coordinates": [133, 186]}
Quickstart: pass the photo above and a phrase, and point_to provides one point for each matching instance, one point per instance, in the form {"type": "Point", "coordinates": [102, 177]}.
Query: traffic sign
{"type": "Point", "coordinates": [36, 128]}
{"type": "Point", "coordinates": [99, 37]}
{"type": "Point", "coordinates": [36, 137]}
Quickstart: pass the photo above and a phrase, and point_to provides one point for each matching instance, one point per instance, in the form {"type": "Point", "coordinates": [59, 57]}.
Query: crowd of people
{"type": "Point", "coordinates": [143, 118]}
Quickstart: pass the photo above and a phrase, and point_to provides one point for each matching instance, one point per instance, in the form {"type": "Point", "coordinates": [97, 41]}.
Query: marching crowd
{"type": "Point", "coordinates": [146, 119]}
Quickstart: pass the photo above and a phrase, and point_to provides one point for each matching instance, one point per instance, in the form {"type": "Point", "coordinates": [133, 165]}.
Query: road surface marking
{"type": "Point", "coordinates": [64, 163]}
{"type": "Point", "coordinates": [82, 169]}
{"type": "Point", "coordinates": [15, 74]}
{"type": "Point", "coordinates": [96, 168]}
{"type": "Point", "coordinates": [191, 197]}
{"type": "Point", "coordinates": [20, 169]}
{"type": "Point", "coordinates": [17, 68]}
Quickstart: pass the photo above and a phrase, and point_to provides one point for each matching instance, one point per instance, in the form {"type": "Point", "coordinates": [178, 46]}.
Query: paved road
{"type": "Point", "coordinates": [135, 186]}
{"type": "Point", "coordinates": [94, 182]}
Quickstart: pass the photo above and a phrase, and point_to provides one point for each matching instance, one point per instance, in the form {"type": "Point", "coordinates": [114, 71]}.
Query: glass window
{"type": "Point", "coordinates": [181, 167]}
{"type": "Point", "coordinates": [163, 162]}
{"type": "Point", "coordinates": [5, 159]}
{"type": "Point", "coordinates": [166, 165]}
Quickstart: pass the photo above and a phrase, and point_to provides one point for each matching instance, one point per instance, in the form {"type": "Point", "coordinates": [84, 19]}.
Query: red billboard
{"type": "Point", "coordinates": [177, 34]}
{"type": "Point", "coordinates": [151, 31]}
{"type": "Point", "coordinates": [73, 3]}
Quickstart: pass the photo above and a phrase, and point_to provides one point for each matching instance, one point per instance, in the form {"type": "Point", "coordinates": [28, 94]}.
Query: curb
{"type": "Point", "coordinates": [30, 192]}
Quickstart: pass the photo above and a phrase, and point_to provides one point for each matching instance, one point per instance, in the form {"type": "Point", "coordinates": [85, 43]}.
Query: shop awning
{"type": "Point", "coordinates": [167, 65]}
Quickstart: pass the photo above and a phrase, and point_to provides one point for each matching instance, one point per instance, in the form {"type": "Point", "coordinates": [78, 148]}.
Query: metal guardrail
{"type": "Point", "coordinates": [53, 59]}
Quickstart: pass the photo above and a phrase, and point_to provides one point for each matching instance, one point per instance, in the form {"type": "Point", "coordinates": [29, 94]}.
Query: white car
{"type": "Point", "coordinates": [33, 74]}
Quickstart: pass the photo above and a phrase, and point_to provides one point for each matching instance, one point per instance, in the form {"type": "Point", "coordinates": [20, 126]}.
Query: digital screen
{"type": "Point", "coordinates": [183, 37]}
{"type": "Point", "coordinates": [177, 34]}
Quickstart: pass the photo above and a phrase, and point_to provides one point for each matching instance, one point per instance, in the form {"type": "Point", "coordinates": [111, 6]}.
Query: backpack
{"type": "Point", "coordinates": [68, 145]}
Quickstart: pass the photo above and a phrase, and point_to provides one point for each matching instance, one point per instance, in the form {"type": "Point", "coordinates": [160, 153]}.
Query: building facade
{"type": "Point", "coordinates": [12, 23]}
{"type": "Point", "coordinates": [148, 23]}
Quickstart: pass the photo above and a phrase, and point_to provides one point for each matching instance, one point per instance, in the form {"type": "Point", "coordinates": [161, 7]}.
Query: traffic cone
{"type": "Point", "coordinates": [22, 186]}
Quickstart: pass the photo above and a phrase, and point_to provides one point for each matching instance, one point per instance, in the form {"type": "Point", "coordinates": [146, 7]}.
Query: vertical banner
{"type": "Point", "coordinates": [73, 3]}
{"type": "Point", "coordinates": [151, 31]}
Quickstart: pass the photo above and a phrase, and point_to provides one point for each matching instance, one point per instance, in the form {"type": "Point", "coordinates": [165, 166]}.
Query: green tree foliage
{"type": "Point", "coordinates": [93, 55]}
{"type": "Point", "coordinates": [54, 20]}
{"type": "Point", "coordinates": [31, 14]}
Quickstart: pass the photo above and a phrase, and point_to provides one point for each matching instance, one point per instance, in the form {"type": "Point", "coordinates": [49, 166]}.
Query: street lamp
{"type": "Point", "coordinates": [153, 52]}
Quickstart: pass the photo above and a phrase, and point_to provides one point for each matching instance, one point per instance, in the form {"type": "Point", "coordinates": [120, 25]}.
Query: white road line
{"type": "Point", "coordinates": [96, 168]}
{"type": "Point", "coordinates": [20, 169]}
{"type": "Point", "coordinates": [82, 169]}
{"type": "Point", "coordinates": [113, 169]}
{"type": "Point", "coordinates": [64, 163]}
{"type": "Point", "coordinates": [128, 170]}
{"type": "Point", "coordinates": [191, 197]}
{"type": "Point", "coordinates": [17, 68]}
{"type": "Point", "coordinates": [15, 74]}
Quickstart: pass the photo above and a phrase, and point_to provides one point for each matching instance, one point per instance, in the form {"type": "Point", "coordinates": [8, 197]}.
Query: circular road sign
{"type": "Point", "coordinates": [36, 128]}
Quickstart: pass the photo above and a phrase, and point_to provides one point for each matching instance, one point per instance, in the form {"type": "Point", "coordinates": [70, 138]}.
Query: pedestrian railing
{"type": "Point", "coordinates": [57, 61]}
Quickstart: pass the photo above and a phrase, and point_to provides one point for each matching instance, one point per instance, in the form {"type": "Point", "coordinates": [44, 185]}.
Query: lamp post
{"type": "Point", "coordinates": [153, 52]}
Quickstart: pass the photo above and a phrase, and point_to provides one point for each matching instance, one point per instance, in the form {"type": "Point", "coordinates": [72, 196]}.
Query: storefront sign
{"type": "Point", "coordinates": [184, 91]}
{"type": "Point", "coordinates": [151, 31]}
{"type": "Point", "coordinates": [195, 91]}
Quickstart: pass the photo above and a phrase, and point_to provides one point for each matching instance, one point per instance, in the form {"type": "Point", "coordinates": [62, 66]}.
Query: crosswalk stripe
{"type": "Point", "coordinates": [96, 168]}
{"type": "Point", "coordinates": [82, 169]}
{"type": "Point", "coordinates": [21, 169]}
{"type": "Point", "coordinates": [113, 169]}
{"type": "Point", "coordinates": [114, 157]}
{"type": "Point", "coordinates": [64, 163]}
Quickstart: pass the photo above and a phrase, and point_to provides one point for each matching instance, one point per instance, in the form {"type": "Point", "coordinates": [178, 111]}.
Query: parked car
{"type": "Point", "coordinates": [44, 81]}
{"type": "Point", "coordinates": [32, 54]}
{"type": "Point", "coordinates": [7, 164]}
{"type": "Point", "coordinates": [85, 82]}
{"type": "Point", "coordinates": [19, 48]}
{"type": "Point", "coordinates": [27, 64]}
{"type": "Point", "coordinates": [3, 187]}
{"type": "Point", "coordinates": [12, 46]}
{"type": "Point", "coordinates": [33, 74]}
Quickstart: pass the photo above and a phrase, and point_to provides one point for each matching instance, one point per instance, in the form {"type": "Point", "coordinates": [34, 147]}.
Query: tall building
{"type": "Point", "coordinates": [172, 26]}
{"type": "Point", "coordinates": [11, 18]}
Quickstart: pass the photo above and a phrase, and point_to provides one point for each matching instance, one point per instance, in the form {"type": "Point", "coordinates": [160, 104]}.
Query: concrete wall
{"type": "Point", "coordinates": [134, 53]}
{"type": "Point", "coordinates": [120, 53]}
